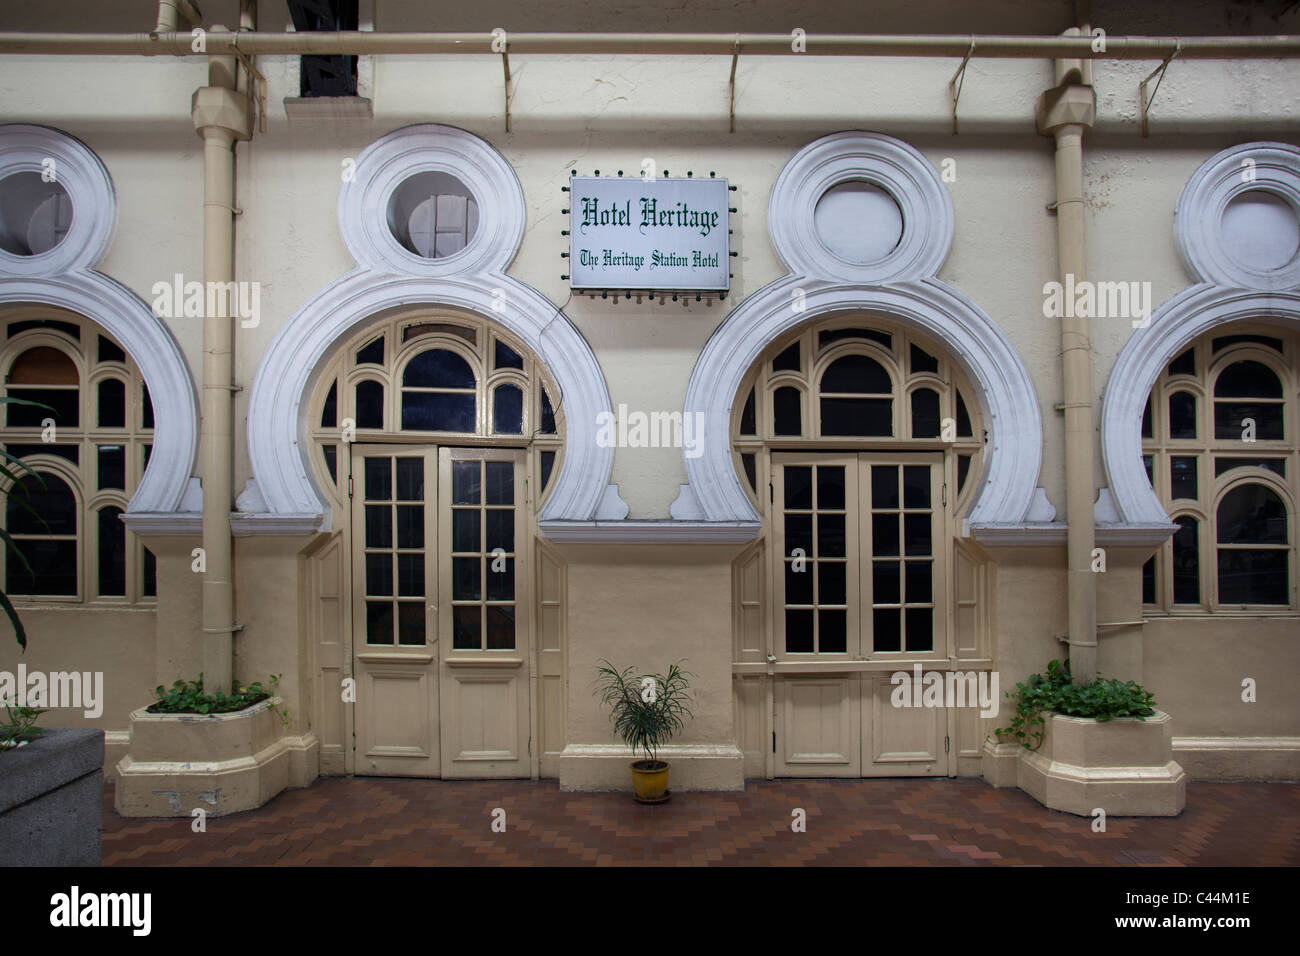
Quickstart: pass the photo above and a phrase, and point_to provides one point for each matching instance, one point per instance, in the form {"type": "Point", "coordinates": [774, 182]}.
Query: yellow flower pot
{"type": "Point", "coordinates": [650, 780]}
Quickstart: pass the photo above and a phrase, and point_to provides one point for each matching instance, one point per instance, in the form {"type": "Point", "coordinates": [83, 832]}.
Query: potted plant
{"type": "Point", "coordinates": [646, 711]}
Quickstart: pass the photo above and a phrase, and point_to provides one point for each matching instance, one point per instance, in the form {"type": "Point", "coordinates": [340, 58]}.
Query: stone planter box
{"type": "Point", "coordinates": [1123, 766]}
{"type": "Point", "coordinates": [52, 800]}
{"type": "Point", "coordinates": [222, 764]}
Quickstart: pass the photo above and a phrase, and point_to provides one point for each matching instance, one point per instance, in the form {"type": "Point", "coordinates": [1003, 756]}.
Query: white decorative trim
{"type": "Point", "coordinates": [612, 507]}
{"type": "Point", "coordinates": [973, 340]}
{"type": "Point", "coordinates": [686, 507]}
{"type": "Point", "coordinates": [146, 338]}
{"type": "Point", "coordinates": [1040, 508]}
{"type": "Point", "coordinates": [250, 500]}
{"type": "Point", "coordinates": [1237, 743]}
{"type": "Point", "coordinates": [883, 161]}
{"type": "Point", "coordinates": [172, 524]}
{"type": "Point", "coordinates": [390, 160]}
{"type": "Point", "coordinates": [248, 525]}
{"type": "Point", "coordinates": [1269, 167]}
{"type": "Point", "coordinates": [1026, 534]}
{"type": "Point", "coordinates": [1103, 509]}
{"type": "Point", "coordinates": [25, 148]}
{"type": "Point", "coordinates": [1173, 326]}
{"type": "Point", "coordinates": [650, 532]}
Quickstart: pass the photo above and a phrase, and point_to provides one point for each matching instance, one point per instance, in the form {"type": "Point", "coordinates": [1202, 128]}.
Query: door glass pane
{"type": "Point", "coordinates": [916, 486]}
{"type": "Point", "coordinates": [410, 479]}
{"type": "Point", "coordinates": [410, 526]}
{"type": "Point", "coordinates": [830, 486]}
{"type": "Point", "coordinates": [466, 584]}
{"type": "Point", "coordinates": [379, 575]}
{"type": "Point", "coordinates": [885, 629]}
{"type": "Point", "coordinates": [920, 629]}
{"type": "Point", "coordinates": [798, 533]}
{"type": "Point", "coordinates": [830, 535]}
{"type": "Point", "coordinates": [885, 582]}
{"type": "Point", "coordinates": [500, 578]}
{"type": "Point", "coordinates": [831, 582]}
{"type": "Point", "coordinates": [466, 627]}
{"type": "Point", "coordinates": [919, 582]}
{"type": "Point", "coordinates": [410, 575]}
{"type": "Point", "coordinates": [410, 622]}
{"type": "Point", "coordinates": [798, 486]}
{"type": "Point", "coordinates": [379, 622]}
{"type": "Point", "coordinates": [798, 631]}
{"type": "Point", "coordinates": [379, 479]}
{"type": "Point", "coordinates": [798, 582]}
{"type": "Point", "coordinates": [500, 529]}
{"type": "Point", "coordinates": [465, 482]}
{"type": "Point", "coordinates": [916, 533]}
{"type": "Point", "coordinates": [501, 627]}
{"type": "Point", "coordinates": [379, 526]}
{"type": "Point", "coordinates": [499, 483]}
{"type": "Point", "coordinates": [465, 529]}
{"type": "Point", "coordinates": [884, 486]}
{"type": "Point", "coordinates": [884, 534]}
{"type": "Point", "coordinates": [832, 632]}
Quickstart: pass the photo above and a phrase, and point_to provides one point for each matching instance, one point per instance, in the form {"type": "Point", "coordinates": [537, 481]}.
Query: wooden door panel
{"type": "Point", "coordinates": [900, 741]}
{"type": "Point", "coordinates": [817, 727]}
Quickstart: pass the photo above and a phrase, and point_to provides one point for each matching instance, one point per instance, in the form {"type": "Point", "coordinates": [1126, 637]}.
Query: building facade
{"type": "Point", "coordinates": [458, 480]}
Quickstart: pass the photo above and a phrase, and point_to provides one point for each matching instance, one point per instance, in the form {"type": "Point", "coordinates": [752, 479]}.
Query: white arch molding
{"type": "Point", "coordinates": [277, 416]}
{"type": "Point", "coordinates": [972, 339]}
{"type": "Point", "coordinates": [1174, 326]}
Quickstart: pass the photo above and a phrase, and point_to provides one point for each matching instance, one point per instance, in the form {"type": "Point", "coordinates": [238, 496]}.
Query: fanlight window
{"type": "Point", "coordinates": [1220, 451]}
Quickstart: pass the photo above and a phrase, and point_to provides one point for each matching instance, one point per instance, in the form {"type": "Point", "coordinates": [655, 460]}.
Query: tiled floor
{"type": "Point", "coordinates": [395, 822]}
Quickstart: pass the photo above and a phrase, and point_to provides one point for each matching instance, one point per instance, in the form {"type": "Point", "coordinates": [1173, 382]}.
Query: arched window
{"type": "Point", "coordinates": [435, 377]}
{"type": "Point", "coordinates": [88, 448]}
{"type": "Point", "coordinates": [1220, 449]}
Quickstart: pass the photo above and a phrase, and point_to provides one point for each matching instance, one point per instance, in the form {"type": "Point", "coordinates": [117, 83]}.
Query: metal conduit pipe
{"type": "Point", "coordinates": [172, 13]}
{"type": "Point", "coordinates": [666, 44]}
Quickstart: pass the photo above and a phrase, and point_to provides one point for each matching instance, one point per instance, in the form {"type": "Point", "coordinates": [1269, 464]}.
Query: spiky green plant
{"type": "Point", "coordinates": [647, 710]}
{"type": "Point", "coordinates": [15, 490]}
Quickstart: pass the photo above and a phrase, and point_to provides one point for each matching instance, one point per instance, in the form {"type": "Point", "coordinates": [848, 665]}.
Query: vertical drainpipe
{"type": "Point", "coordinates": [221, 117]}
{"type": "Point", "coordinates": [1065, 112]}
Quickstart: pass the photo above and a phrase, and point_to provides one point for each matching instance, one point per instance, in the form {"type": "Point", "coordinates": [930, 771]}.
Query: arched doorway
{"type": "Point", "coordinates": [436, 437]}
{"type": "Point", "coordinates": [860, 443]}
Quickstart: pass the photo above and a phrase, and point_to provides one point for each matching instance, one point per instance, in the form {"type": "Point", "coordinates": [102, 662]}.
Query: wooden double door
{"type": "Point", "coordinates": [858, 595]}
{"type": "Point", "coordinates": [440, 599]}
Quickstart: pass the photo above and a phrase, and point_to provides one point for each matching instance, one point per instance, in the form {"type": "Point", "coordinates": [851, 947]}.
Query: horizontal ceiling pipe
{"type": "Point", "coordinates": [654, 44]}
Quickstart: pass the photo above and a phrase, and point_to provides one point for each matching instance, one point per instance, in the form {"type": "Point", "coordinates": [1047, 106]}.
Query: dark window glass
{"type": "Point", "coordinates": [925, 413]}
{"type": "Point", "coordinates": [466, 579]}
{"type": "Point", "coordinates": [466, 628]}
{"type": "Point", "coordinates": [332, 462]}
{"type": "Point", "coordinates": [1247, 380]}
{"type": "Point", "coordinates": [884, 486]}
{"type": "Point", "coordinates": [1149, 463]}
{"type": "Point", "coordinates": [1149, 581]}
{"type": "Point", "coordinates": [54, 563]}
{"type": "Point", "coordinates": [884, 534]}
{"type": "Point", "coordinates": [856, 374]}
{"type": "Point", "coordinates": [62, 407]}
{"type": "Point", "coordinates": [379, 575]}
{"type": "Point", "coordinates": [832, 630]}
{"type": "Point", "coordinates": [885, 582]}
{"type": "Point", "coordinates": [147, 451]}
{"type": "Point", "coordinates": [111, 467]}
{"type": "Point", "coordinates": [831, 336]}
{"type": "Point", "coordinates": [918, 578]}
{"type": "Point", "coordinates": [548, 463]}
{"type": "Point", "coordinates": [788, 360]}
{"type": "Point", "coordinates": [438, 411]}
{"type": "Point", "coordinates": [1182, 415]}
{"type": "Point", "coordinates": [1182, 477]}
{"type": "Point", "coordinates": [149, 587]}
{"type": "Point", "coordinates": [500, 529]}
{"type": "Point", "coordinates": [923, 361]}
{"type": "Point", "coordinates": [548, 415]}
{"type": "Point", "coordinates": [467, 333]}
{"type": "Point", "coordinates": [70, 329]}
{"type": "Point", "coordinates": [747, 462]}
{"type": "Point", "coordinates": [798, 486]}
{"type": "Point", "coordinates": [748, 418]}
{"type": "Point", "coordinates": [500, 628]}
{"type": "Point", "coordinates": [500, 583]}
{"type": "Point", "coordinates": [1230, 420]}
{"type": "Point", "coordinates": [508, 410]}
{"type": "Point", "coordinates": [830, 535]}
{"type": "Point", "coordinates": [438, 368]}
{"type": "Point", "coordinates": [465, 532]}
{"type": "Point", "coordinates": [370, 405]}
{"type": "Point", "coordinates": [108, 352]}
{"type": "Point", "coordinates": [410, 479]}
{"type": "Point", "coordinates": [379, 479]}
{"type": "Point", "coordinates": [830, 486]}
{"type": "Point", "coordinates": [410, 623]}
{"type": "Point", "coordinates": [798, 533]}
{"type": "Point", "coordinates": [920, 629]}
{"type": "Point", "coordinates": [465, 482]}
{"type": "Point", "coordinates": [499, 483]}
{"type": "Point", "coordinates": [832, 587]}
{"type": "Point", "coordinates": [1147, 429]}
{"type": "Point", "coordinates": [1223, 342]}
{"type": "Point", "coordinates": [70, 452]}
{"type": "Point", "coordinates": [916, 533]}
{"type": "Point", "coordinates": [372, 353]}
{"type": "Point", "coordinates": [798, 582]}
{"type": "Point", "coordinates": [379, 526]}
{"type": "Point", "coordinates": [1253, 576]}
{"type": "Point", "coordinates": [506, 357]}
{"type": "Point", "coordinates": [1185, 364]}
{"type": "Point", "coordinates": [857, 416]}
{"type": "Point", "coordinates": [112, 403]}
{"type": "Point", "coordinates": [51, 498]}
{"type": "Point", "coordinates": [916, 486]}
{"type": "Point", "coordinates": [379, 622]}
{"type": "Point", "coordinates": [798, 631]}
{"type": "Point", "coordinates": [1251, 514]}
{"type": "Point", "coordinates": [146, 407]}
{"type": "Point", "coordinates": [410, 575]}
{"type": "Point", "coordinates": [112, 552]}
{"type": "Point", "coordinates": [329, 416]}
{"type": "Point", "coordinates": [410, 526]}
{"type": "Point", "coordinates": [963, 471]}
{"type": "Point", "coordinates": [964, 429]}
{"type": "Point", "coordinates": [1275, 465]}
{"type": "Point", "coordinates": [1187, 562]}
{"type": "Point", "coordinates": [886, 632]}
{"type": "Point", "coordinates": [787, 416]}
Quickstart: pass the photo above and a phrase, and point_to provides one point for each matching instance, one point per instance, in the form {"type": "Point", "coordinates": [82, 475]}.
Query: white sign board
{"type": "Point", "coordinates": [659, 234]}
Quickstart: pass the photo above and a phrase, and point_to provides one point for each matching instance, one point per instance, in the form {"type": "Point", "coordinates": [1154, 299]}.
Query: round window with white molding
{"type": "Point", "coordinates": [35, 214]}
{"type": "Point", "coordinates": [858, 222]}
{"type": "Point", "coordinates": [433, 214]}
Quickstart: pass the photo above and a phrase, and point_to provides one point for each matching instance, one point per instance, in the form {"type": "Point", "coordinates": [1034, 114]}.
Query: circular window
{"type": "Point", "coordinates": [1261, 230]}
{"type": "Point", "coordinates": [858, 222]}
{"type": "Point", "coordinates": [34, 215]}
{"type": "Point", "coordinates": [433, 215]}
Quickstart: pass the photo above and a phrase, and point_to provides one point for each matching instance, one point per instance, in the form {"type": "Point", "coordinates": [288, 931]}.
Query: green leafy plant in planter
{"type": "Point", "coordinates": [189, 697]}
{"type": "Point", "coordinates": [1054, 692]}
{"type": "Point", "coordinates": [646, 712]}
{"type": "Point", "coordinates": [19, 726]}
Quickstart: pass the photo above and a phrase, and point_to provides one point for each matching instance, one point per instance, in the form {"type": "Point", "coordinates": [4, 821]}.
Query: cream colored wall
{"type": "Point", "coordinates": [651, 605]}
